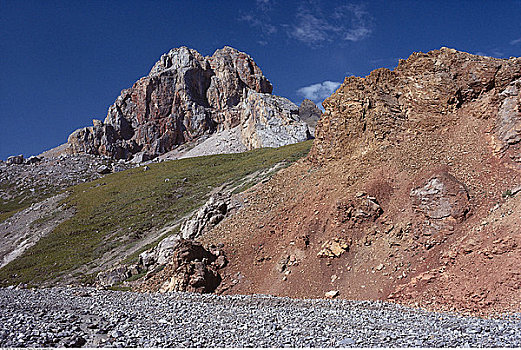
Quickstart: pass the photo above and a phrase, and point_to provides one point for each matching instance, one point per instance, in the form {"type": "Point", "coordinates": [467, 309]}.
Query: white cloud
{"type": "Point", "coordinates": [314, 22]}
{"type": "Point", "coordinates": [265, 27]}
{"type": "Point", "coordinates": [260, 19]}
{"type": "Point", "coordinates": [310, 29]}
{"type": "Point", "coordinates": [515, 42]}
{"type": "Point", "coordinates": [318, 92]}
{"type": "Point", "coordinates": [264, 5]}
{"type": "Point", "coordinates": [360, 24]}
{"type": "Point", "coordinates": [345, 23]}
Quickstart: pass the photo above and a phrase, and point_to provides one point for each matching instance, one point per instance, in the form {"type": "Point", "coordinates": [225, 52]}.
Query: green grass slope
{"type": "Point", "coordinates": [115, 213]}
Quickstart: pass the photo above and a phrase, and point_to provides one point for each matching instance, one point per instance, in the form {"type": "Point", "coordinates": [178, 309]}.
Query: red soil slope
{"type": "Point", "coordinates": [408, 195]}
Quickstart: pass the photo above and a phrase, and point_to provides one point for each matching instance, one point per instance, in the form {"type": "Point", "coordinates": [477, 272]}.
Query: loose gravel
{"type": "Point", "coordinates": [77, 317]}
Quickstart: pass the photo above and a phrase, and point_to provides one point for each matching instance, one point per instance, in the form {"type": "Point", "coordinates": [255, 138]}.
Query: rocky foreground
{"type": "Point", "coordinates": [87, 317]}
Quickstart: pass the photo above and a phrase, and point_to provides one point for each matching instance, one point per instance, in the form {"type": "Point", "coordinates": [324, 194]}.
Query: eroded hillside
{"type": "Point", "coordinates": [410, 193]}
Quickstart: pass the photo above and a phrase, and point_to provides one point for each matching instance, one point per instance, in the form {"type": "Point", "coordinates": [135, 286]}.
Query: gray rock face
{"type": "Point", "coordinates": [508, 122]}
{"type": "Point", "coordinates": [209, 215]}
{"type": "Point", "coordinates": [271, 121]}
{"type": "Point", "coordinates": [159, 255]}
{"type": "Point", "coordinates": [184, 97]}
{"type": "Point", "coordinates": [309, 113]}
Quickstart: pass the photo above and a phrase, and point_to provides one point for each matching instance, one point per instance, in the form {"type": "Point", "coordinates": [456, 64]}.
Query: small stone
{"type": "Point", "coordinates": [103, 170]}
{"type": "Point", "coordinates": [332, 294]}
{"type": "Point", "coordinates": [116, 334]}
{"type": "Point", "coordinates": [346, 341]}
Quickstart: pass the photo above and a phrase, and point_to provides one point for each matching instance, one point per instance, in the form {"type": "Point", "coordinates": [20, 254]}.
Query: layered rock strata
{"type": "Point", "coordinates": [426, 91]}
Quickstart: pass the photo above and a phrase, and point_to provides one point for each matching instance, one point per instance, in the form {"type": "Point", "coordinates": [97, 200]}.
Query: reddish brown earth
{"type": "Point", "coordinates": [406, 195]}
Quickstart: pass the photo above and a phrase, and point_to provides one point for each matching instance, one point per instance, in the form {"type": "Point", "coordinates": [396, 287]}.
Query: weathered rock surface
{"type": "Point", "coordinates": [186, 96]}
{"type": "Point", "coordinates": [414, 170]}
{"type": "Point", "coordinates": [271, 121]}
{"type": "Point", "coordinates": [441, 196]}
{"type": "Point", "coordinates": [209, 215]}
{"type": "Point", "coordinates": [423, 92]}
{"type": "Point", "coordinates": [161, 254]}
{"type": "Point", "coordinates": [192, 268]}
{"type": "Point", "coordinates": [310, 113]}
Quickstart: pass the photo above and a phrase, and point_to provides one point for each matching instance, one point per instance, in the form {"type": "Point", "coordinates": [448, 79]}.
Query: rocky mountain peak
{"type": "Point", "coordinates": [177, 58]}
{"type": "Point", "coordinates": [184, 97]}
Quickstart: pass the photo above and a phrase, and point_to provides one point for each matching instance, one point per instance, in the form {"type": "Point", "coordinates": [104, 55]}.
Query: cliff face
{"type": "Point", "coordinates": [425, 92]}
{"type": "Point", "coordinates": [184, 97]}
{"type": "Point", "coordinates": [410, 193]}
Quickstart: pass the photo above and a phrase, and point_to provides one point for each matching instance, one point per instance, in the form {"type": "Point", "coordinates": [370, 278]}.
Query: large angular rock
{"type": "Point", "coordinates": [19, 159]}
{"type": "Point", "coordinates": [441, 196]}
{"type": "Point", "coordinates": [209, 215]}
{"type": "Point", "coordinates": [193, 269]}
{"type": "Point", "coordinates": [184, 97]}
{"type": "Point", "coordinates": [112, 276]}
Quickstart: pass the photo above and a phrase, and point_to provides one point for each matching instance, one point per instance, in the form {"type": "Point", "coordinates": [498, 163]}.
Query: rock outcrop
{"type": "Point", "coordinates": [209, 215]}
{"type": "Point", "coordinates": [423, 92]}
{"type": "Point", "coordinates": [310, 113]}
{"type": "Point", "coordinates": [186, 96]}
{"type": "Point", "coordinates": [407, 194]}
{"type": "Point", "coordinates": [191, 268]}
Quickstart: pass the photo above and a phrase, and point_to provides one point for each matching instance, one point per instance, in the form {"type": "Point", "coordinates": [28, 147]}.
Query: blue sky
{"type": "Point", "coordinates": [65, 62]}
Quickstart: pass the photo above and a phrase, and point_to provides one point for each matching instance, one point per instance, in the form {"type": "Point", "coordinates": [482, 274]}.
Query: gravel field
{"type": "Point", "coordinates": [77, 317]}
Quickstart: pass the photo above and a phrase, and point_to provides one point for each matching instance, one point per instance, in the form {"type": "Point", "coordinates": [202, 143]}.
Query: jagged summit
{"type": "Point", "coordinates": [186, 96]}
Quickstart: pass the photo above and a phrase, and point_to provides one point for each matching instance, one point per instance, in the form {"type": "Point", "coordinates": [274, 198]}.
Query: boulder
{"type": "Point", "coordinates": [32, 160]}
{"type": "Point", "coordinates": [193, 269]}
{"type": "Point", "coordinates": [19, 159]}
{"type": "Point", "coordinates": [113, 276]}
{"type": "Point", "coordinates": [209, 215]}
{"type": "Point", "coordinates": [141, 157]}
{"type": "Point", "coordinates": [103, 169]}
{"type": "Point", "coordinates": [441, 196]}
{"type": "Point", "coordinates": [159, 255]}
{"type": "Point", "coordinates": [332, 294]}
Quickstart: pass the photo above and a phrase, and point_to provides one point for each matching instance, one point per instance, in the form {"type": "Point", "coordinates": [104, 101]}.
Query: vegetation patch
{"type": "Point", "coordinates": [120, 209]}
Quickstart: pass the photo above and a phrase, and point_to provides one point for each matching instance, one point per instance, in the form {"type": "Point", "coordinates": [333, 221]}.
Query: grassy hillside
{"type": "Point", "coordinates": [115, 213]}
